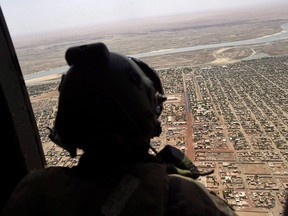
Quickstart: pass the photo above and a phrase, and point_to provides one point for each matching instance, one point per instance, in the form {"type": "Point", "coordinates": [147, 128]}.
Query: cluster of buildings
{"type": "Point", "coordinates": [238, 115]}
{"type": "Point", "coordinates": [230, 118]}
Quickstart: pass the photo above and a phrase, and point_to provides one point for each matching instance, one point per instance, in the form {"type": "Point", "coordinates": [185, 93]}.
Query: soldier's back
{"type": "Point", "coordinates": [144, 189]}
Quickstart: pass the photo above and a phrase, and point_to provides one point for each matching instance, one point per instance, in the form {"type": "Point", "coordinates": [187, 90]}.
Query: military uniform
{"type": "Point", "coordinates": [144, 189]}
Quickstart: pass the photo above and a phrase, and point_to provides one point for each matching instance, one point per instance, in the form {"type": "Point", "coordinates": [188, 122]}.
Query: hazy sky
{"type": "Point", "coordinates": [27, 16]}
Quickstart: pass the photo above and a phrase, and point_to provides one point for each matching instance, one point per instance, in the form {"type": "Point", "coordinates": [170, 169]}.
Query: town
{"type": "Point", "coordinates": [232, 118]}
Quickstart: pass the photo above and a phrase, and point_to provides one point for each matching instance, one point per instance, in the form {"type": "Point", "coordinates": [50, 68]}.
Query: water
{"type": "Point", "coordinates": [266, 39]}
{"type": "Point", "coordinates": [283, 35]}
{"type": "Point", "coordinates": [58, 70]}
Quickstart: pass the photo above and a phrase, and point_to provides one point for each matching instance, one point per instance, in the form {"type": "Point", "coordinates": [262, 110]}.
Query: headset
{"type": "Point", "coordinates": [154, 77]}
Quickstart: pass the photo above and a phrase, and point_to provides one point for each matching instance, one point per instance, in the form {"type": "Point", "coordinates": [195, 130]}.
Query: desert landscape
{"type": "Point", "coordinates": [227, 105]}
{"type": "Point", "coordinates": [162, 33]}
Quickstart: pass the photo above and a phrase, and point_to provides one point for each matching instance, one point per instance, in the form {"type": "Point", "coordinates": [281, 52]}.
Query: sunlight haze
{"type": "Point", "coordinates": [29, 16]}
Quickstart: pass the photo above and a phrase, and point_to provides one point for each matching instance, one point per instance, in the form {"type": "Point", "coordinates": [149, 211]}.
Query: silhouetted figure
{"type": "Point", "coordinates": [109, 106]}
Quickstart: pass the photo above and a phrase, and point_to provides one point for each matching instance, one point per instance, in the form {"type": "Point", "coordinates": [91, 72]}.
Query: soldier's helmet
{"type": "Point", "coordinates": [105, 92]}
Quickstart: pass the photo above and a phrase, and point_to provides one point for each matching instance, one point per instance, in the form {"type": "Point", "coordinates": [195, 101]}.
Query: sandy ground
{"type": "Point", "coordinates": [44, 79]}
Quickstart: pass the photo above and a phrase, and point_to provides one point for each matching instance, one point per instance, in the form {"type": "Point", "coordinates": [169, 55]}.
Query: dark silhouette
{"type": "Point", "coordinates": [109, 106]}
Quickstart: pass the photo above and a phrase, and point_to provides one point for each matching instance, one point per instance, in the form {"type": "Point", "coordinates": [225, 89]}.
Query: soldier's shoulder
{"type": "Point", "coordinates": [190, 197]}
{"type": "Point", "coordinates": [40, 175]}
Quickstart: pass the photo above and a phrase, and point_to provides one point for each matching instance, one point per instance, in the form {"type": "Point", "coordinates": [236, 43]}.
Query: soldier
{"type": "Point", "coordinates": [109, 106]}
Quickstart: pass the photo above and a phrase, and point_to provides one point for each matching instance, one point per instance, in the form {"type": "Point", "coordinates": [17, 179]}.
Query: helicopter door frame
{"type": "Point", "coordinates": [21, 146]}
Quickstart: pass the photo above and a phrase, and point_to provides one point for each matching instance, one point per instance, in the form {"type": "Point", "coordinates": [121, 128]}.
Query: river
{"type": "Point", "coordinates": [283, 35]}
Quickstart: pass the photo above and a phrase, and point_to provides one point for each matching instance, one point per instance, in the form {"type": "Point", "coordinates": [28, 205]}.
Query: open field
{"type": "Point", "coordinates": [256, 169]}
{"type": "Point", "coordinates": [43, 52]}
